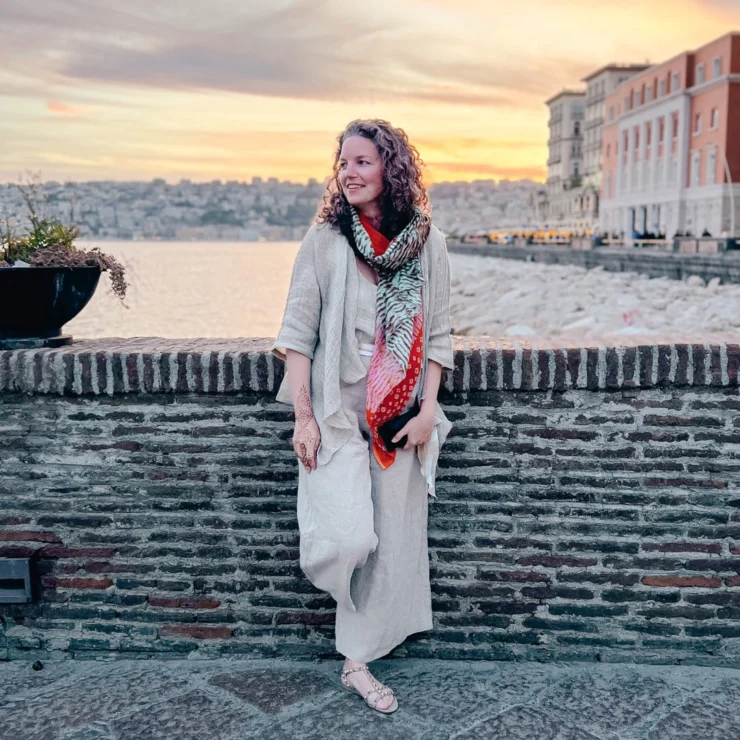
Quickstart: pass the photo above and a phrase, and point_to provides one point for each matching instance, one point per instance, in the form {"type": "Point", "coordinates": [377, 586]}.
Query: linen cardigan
{"type": "Point", "coordinates": [319, 322]}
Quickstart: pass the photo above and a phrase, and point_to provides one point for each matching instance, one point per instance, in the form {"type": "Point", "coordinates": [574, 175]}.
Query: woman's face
{"type": "Point", "coordinates": [360, 172]}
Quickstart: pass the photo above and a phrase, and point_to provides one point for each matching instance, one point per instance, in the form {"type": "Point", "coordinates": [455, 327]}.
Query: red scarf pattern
{"type": "Point", "coordinates": [399, 395]}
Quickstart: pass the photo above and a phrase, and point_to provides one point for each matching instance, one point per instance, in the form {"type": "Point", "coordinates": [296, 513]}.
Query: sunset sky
{"type": "Point", "coordinates": [220, 89]}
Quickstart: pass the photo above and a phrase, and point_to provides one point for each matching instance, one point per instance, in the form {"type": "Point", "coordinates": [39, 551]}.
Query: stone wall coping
{"type": "Point", "coordinates": [152, 365]}
{"type": "Point", "coordinates": [731, 256]}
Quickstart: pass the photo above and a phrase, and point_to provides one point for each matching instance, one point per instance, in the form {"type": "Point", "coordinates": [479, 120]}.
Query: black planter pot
{"type": "Point", "coordinates": [36, 302]}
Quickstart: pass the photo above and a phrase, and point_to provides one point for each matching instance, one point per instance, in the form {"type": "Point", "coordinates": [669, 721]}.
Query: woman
{"type": "Point", "coordinates": [366, 333]}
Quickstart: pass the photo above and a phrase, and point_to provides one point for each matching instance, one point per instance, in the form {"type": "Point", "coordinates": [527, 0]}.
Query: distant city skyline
{"type": "Point", "coordinates": [269, 209]}
{"type": "Point", "coordinates": [95, 90]}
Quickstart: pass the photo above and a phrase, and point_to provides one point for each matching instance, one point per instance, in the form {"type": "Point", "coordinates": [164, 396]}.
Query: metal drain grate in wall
{"type": "Point", "coordinates": [15, 580]}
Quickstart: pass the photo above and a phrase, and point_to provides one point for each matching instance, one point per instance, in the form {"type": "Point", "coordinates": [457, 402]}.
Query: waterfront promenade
{"type": "Point", "coordinates": [439, 700]}
{"type": "Point", "coordinates": [647, 261]}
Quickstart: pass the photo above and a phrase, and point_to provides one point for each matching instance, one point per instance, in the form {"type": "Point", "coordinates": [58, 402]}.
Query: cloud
{"type": "Point", "coordinates": [61, 109]}
{"type": "Point", "coordinates": [483, 168]}
{"type": "Point", "coordinates": [326, 50]}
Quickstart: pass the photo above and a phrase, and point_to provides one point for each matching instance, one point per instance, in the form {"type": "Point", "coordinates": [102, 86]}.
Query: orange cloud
{"type": "Point", "coordinates": [474, 170]}
{"type": "Point", "coordinates": [62, 110]}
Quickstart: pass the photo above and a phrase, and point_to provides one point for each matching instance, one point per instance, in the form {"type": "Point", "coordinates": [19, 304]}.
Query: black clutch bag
{"type": "Point", "coordinates": [390, 428]}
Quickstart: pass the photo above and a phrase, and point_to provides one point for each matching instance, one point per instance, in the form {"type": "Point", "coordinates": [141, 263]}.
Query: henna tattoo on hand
{"type": "Point", "coordinates": [307, 439]}
{"type": "Point", "coordinates": [303, 409]}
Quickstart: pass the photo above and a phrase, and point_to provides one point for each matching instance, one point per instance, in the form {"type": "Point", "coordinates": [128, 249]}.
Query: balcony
{"type": "Point", "coordinates": [593, 122]}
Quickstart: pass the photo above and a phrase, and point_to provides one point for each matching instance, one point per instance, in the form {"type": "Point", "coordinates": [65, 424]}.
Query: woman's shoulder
{"type": "Point", "coordinates": [436, 243]}
{"type": "Point", "coordinates": [322, 234]}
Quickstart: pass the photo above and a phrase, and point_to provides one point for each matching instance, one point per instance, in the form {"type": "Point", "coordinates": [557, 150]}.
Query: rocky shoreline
{"type": "Point", "coordinates": [509, 298]}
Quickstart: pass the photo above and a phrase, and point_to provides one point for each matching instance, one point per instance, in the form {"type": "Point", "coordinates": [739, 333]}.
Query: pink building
{"type": "Point", "coordinates": [671, 146]}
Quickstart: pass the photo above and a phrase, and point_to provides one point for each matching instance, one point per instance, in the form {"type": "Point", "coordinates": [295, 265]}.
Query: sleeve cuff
{"type": "Point", "coordinates": [444, 357]}
{"type": "Point", "coordinates": [278, 349]}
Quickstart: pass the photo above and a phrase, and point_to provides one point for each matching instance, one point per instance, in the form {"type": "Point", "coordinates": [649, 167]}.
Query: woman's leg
{"type": "Point", "coordinates": [335, 519]}
{"type": "Point", "coordinates": [391, 591]}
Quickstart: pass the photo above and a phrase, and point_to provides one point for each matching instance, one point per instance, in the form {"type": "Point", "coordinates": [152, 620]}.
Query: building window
{"type": "Point", "coordinates": [636, 98]}
{"type": "Point", "coordinates": [675, 82]}
{"type": "Point", "coordinates": [611, 112]}
{"type": "Point", "coordinates": [661, 88]}
{"type": "Point", "coordinates": [699, 74]}
{"type": "Point", "coordinates": [648, 134]}
{"type": "Point", "coordinates": [716, 67]}
{"type": "Point", "coordinates": [577, 128]}
{"type": "Point", "coordinates": [695, 166]}
{"type": "Point", "coordinates": [715, 119]}
{"type": "Point", "coordinates": [712, 166]}
{"type": "Point", "coordinates": [697, 124]}
{"type": "Point", "coordinates": [661, 130]}
{"type": "Point", "coordinates": [675, 126]}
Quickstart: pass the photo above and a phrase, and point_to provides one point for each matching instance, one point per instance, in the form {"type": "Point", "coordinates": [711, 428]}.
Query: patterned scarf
{"type": "Point", "coordinates": [396, 362]}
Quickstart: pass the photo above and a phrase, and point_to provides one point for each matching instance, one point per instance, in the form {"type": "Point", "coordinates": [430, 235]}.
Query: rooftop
{"type": "Point", "coordinates": [635, 68]}
{"type": "Point", "coordinates": [566, 93]}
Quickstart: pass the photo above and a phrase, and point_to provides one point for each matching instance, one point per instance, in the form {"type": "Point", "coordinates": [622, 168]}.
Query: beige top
{"type": "Point", "coordinates": [320, 319]}
{"type": "Point", "coordinates": [365, 321]}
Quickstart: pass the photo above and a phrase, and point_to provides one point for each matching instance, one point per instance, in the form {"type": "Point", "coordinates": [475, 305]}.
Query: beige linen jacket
{"type": "Point", "coordinates": [319, 322]}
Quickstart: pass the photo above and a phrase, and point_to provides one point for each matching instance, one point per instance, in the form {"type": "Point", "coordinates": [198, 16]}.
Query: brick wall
{"type": "Point", "coordinates": [588, 504]}
{"type": "Point", "coordinates": [725, 266]}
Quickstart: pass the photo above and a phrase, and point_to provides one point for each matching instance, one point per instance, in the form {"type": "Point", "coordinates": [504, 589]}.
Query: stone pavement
{"type": "Point", "coordinates": [439, 700]}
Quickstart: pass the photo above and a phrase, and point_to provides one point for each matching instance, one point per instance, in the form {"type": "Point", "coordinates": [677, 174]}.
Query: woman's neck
{"type": "Point", "coordinates": [373, 214]}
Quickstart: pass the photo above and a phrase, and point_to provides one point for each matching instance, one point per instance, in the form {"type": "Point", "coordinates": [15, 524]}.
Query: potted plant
{"type": "Point", "coordinates": [45, 281]}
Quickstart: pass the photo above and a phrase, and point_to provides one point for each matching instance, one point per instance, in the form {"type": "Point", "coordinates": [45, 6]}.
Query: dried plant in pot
{"type": "Point", "coordinates": [45, 280]}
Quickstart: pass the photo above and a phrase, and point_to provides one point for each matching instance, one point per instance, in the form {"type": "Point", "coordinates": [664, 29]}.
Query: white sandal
{"type": "Point", "coordinates": [379, 689]}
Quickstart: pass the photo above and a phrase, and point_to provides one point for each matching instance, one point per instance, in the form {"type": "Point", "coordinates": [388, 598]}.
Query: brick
{"type": "Point", "coordinates": [199, 632]}
{"type": "Point", "coordinates": [556, 561]}
{"type": "Point", "coordinates": [83, 583]}
{"type": "Point", "coordinates": [28, 536]}
{"type": "Point", "coordinates": [652, 628]}
{"type": "Point", "coordinates": [77, 552]}
{"type": "Point", "coordinates": [682, 581]}
{"type": "Point", "coordinates": [185, 603]}
{"type": "Point", "coordinates": [558, 624]}
{"type": "Point", "coordinates": [586, 610]}
{"type": "Point", "coordinates": [673, 612]}
{"type": "Point", "coordinates": [512, 575]}
{"type": "Point", "coordinates": [681, 547]}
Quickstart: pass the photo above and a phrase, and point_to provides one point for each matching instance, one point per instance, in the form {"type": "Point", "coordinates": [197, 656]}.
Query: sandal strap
{"type": "Point", "coordinates": [380, 689]}
{"type": "Point", "coordinates": [347, 671]}
{"type": "Point", "coordinates": [380, 693]}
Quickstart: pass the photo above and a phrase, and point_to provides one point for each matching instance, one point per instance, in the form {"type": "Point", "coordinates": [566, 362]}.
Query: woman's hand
{"type": "Point", "coordinates": [306, 435]}
{"type": "Point", "coordinates": [419, 429]}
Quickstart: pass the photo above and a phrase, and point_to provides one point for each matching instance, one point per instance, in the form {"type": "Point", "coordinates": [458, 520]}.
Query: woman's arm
{"type": "Point", "coordinates": [433, 377]}
{"type": "Point", "coordinates": [299, 329]}
{"type": "Point", "coordinates": [306, 435]}
{"type": "Point", "coordinates": [439, 347]}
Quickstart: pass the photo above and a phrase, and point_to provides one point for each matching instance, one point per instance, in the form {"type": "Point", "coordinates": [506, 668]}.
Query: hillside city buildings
{"type": "Point", "coordinates": [649, 149]}
{"type": "Point", "coordinates": [268, 210]}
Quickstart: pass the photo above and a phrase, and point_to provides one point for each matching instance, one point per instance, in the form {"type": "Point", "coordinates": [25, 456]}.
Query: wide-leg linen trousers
{"type": "Point", "coordinates": [363, 539]}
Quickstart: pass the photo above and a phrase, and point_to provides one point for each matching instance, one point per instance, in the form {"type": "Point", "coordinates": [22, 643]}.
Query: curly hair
{"type": "Point", "coordinates": [403, 190]}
